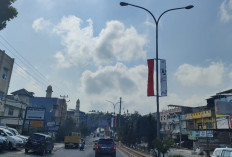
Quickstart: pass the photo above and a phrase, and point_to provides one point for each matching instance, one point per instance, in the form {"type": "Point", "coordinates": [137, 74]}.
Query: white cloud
{"type": "Point", "coordinates": [114, 78]}
{"type": "Point", "coordinates": [40, 24]}
{"type": "Point", "coordinates": [112, 82]}
{"type": "Point", "coordinates": [191, 76]}
{"type": "Point", "coordinates": [114, 43]}
{"type": "Point", "coordinates": [149, 23]}
{"type": "Point", "coordinates": [226, 10]}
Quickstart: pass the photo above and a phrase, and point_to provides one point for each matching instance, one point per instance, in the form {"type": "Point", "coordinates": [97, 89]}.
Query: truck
{"type": "Point", "coordinates": [72, 140]}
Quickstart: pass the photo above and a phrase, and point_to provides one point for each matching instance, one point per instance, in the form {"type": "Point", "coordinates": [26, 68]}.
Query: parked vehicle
{"type": "Point", "coordinates": [14, 141]}
{"type": "Point", "coordinates": [16, 133]}
{"type": "Point", "coordinates": [222, 152]}
{"type": "Point", "coordinates": [72, 140]}
{"type": "Point", "coordinates": [105, 147]}
{"type": "Point", "coordinates": [226, 153]}
{"type": "Point", "coordinates": [3, 143]}
{"type": "Point", "coordinates": [39, 142]}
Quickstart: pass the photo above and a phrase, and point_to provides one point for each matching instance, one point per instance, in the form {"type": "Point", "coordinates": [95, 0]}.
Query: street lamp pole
{"type": "Point", "coordinates": [114, 104]}
{"type": "Point", "coordinates": [157, 56]}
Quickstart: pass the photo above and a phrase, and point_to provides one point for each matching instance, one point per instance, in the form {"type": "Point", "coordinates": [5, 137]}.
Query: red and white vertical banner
{"type": "Point", "coordinates": [150, 81]}
{"type": "Point", "coordinates": [163, 77]}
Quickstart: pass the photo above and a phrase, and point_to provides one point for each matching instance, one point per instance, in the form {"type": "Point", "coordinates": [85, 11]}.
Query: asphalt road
{"type": "Point", "coordinates": [59, 152]}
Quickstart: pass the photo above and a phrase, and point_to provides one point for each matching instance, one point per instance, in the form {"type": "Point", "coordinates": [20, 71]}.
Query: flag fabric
{"type": "Point", "coordinates": [150, 82]}
{"type": "Point", "coordinates": [163, 77]}
{"type": "Point", "coordinates": [115, 122]}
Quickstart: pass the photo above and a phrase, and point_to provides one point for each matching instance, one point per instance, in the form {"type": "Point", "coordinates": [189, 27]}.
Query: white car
{"type": "Point", "coordinates": [3, 143]}
{"type": "Point", "coordinates": [221, 152]}
{"type": "Point", "coordinates": [13, 141]}
{"type": "Point", "coordinates": [16, 133]}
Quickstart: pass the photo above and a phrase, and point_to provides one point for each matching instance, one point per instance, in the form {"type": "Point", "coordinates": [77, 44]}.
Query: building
{"type": "Point", "coordinates": [77, 115]}
{"type": "Point", "coordinates": [55, 112]}
{"type": "Point", "coordinates": [15, 107]}
{"type": "Point", "coordinates": [6, 66]}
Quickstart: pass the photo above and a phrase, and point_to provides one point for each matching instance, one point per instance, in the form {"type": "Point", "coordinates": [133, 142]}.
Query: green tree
{"type": "Point", "coordinates": [163, 145]}
{"type": "Point", "coordinates": [135, 129]}
{"type": "Point", "coordinates": [65, 129]}
{"type": "Point", "coordinates": [7, 12]}
{"type": "Point", "coordinates": [83, 129]}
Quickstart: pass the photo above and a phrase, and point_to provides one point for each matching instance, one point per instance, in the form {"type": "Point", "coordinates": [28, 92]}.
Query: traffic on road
{"type": "Point", "coordinates": [59, 151]}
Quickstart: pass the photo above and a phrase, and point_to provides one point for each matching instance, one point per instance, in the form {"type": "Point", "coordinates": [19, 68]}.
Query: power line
{"type": "Point", "coordinates": [36, 72]}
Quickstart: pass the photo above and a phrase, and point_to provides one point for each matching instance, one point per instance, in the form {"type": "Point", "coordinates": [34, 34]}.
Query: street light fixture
{"type": "Point", "coordinates": [157, 74]}
{"type": "Point", "coordinates": [114, 104]}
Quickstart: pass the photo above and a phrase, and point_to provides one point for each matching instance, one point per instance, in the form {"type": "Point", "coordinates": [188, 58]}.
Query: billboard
{"type": "Point", "coordinates": [224, 108]}
{"type": "Point", "coordinates": [36, 123]}
{"type": "Point", "coordinates": [163, 77]}
{"type": "Point", "coordinates": [33, 113]}
{"type": "Point", "coordinates": [223, 122]}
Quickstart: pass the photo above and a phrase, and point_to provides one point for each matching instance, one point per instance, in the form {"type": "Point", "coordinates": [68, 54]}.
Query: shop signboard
{"type": "Point", "coordinates": [53, 128]}
{"type": "Point", "coordinates": [51, 124]}
{"type": "Point", "coordinates": [222, 122]}
{"type": "Point", "coordinates": [36, 123]}
{"type": "Point", "coordinates": [34, 113]}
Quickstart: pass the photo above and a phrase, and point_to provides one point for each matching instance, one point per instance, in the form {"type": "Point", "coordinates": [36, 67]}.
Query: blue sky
{"type": "Point", "coordinates": [96, 50]}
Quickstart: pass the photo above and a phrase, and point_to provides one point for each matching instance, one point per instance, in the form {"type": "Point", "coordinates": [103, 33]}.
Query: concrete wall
{"type": "Point", "coordinates": [6, 66]}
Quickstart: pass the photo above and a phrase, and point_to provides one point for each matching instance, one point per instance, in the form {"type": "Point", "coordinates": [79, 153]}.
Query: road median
{"type": "Point", "coordinates": [129, 152]}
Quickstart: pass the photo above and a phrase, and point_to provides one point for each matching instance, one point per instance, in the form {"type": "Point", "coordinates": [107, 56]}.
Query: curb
{"type": "Point", "coordinates": [129, 152]}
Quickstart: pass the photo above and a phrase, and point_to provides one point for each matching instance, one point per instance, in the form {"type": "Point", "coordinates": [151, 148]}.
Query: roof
{"type": "Point", "coordinates": [41, 134]}
{"type": "Point", "coordinates": [179, 106]}
{"type": "Point", "coordinates": [225, 92]}
{"type": "Point", "coordinates": [23, 92]}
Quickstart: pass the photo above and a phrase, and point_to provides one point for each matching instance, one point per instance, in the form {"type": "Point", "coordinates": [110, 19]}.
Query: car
{"type": "Point", "coordinates": [219, 151]}
{"type": "Point", "coordinates": [13, 141]}
{"type": "Point", "coordinates": [105, 146]}
{"type": "Point", "coordinates": [39, 142]}
{"type": "Point", "coordinates": [226, 153]}
{"type": "Point", "coordinates": [3, 143]}
{"type": "Point", "coordinates": [16, 133]}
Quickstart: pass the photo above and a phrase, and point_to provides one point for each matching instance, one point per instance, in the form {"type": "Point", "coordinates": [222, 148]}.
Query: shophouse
{"type": "Point", "coordinates": [6, 66]}
{"type": "Point", "coordinates": [15, 107]}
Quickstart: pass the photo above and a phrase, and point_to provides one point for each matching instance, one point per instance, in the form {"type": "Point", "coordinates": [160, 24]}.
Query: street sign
{"type": "Point", "coordinates": [50, 124]}
{"type": "Point", "coordinates": [33, 113]}
{"type": "Point", "coordinates": [53, 128]}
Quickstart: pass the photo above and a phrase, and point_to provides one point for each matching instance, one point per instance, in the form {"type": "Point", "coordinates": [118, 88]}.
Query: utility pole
{"type": "Point", "coordinates": [120, 111]}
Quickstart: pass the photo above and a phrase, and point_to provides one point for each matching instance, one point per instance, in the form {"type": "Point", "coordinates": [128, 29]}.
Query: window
{"type": "Point", "coordinates": [5, 73]}
{"type": "Point", "coordinates": [11, 111]}
{"type": "Point", "coordinates": [209, 125]}
{"type": "Point", "coordinates": [226, 153]}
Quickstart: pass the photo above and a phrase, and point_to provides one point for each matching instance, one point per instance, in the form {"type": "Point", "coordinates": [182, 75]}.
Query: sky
{"type": "Point", "coordinates": [97, 51]}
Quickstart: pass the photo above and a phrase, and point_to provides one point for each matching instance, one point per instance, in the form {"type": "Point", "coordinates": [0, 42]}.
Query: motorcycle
{"type": "Point", "coordinates": [82, 146]}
